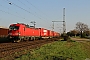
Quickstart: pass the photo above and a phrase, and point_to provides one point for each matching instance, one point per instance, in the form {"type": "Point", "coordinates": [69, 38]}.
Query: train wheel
{"type": "Point", "coordinates": [14, 41]}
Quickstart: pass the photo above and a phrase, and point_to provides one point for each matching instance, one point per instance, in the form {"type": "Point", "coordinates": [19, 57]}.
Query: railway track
{"type": "Point", "coordinates": [11, 48]}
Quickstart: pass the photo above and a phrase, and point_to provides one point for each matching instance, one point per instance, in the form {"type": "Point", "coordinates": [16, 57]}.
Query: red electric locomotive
{"type": "Point", "coordinates": [20, 31]}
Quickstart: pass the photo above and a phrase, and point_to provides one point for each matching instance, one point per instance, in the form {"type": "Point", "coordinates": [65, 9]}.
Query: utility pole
{"type": "Point", "coordinates": [64, 23]}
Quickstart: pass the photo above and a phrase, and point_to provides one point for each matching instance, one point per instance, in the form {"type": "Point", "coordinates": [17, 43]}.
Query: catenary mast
{"type": "Point", "coordinates": [64, 23]}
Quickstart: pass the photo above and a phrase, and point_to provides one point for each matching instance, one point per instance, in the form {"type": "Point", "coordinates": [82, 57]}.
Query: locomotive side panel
{"type": "Point", "coordinates": [37, 32]}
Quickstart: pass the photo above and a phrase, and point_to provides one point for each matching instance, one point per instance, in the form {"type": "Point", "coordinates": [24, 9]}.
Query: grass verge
{"type": "Point", "coordinates": [60, 50]}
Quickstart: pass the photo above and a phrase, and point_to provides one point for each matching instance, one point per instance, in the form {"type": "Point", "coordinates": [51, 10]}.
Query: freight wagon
{"type": "Point", "coordinates": [44, 33]}
{"type": "Point", "coordinates": [19, 32]}
{"type": "Point", "coordinates": [3, 32]}
{"type": "Point", "coordinates": [50, 34]}
{"type": "Point", "coordinates": [56, 34]}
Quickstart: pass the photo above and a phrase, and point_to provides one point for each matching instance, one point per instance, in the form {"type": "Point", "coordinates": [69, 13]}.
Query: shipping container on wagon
{"type": "Point", "coordinates": [3, 32]}
{"type": "Point", "coordinates": [53, 33]}
{"type": "Point", "coordinates": [56, 34]}
{"type": "Point", "coordinates": [44, 33]}
{"type": "Point", "coordinates": [50, 33]}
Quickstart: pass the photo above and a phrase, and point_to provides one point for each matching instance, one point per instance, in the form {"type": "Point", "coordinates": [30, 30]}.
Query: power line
{"type": "Point", "coordinates": [11, 3]}
{"type": "Point", "coordinates": [31, 4]}
{"type": "Point", "coordinates": [18, 15]}
{"type": "Point", "coordinates": [36, 8]}
{"type": "Point", "coordinates": [29, 7]}
{"type": "Point", "coordinates": [24, 4]}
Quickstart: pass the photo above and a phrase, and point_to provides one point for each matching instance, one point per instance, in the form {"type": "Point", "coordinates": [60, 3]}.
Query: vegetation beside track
{"type": "Point", "coordinates": [59, 50]}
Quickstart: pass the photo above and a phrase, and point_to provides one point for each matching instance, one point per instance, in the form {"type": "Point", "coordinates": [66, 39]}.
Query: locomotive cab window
{"type": "Point", "coordinates": [14, 27]}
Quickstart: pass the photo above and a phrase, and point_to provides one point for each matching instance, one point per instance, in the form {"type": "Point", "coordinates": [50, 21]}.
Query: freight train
{"type": "Point", "coordinates": [20, 32]}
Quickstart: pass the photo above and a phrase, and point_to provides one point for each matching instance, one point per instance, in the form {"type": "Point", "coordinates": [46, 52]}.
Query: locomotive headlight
{"type": "Point", "coordinates": [17, 33]}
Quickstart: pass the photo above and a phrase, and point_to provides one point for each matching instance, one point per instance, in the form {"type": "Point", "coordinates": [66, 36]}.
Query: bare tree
{"type": "Point", "coordinates": [81, 27]}
{"type": "Point", "coordinates": [87, 32]}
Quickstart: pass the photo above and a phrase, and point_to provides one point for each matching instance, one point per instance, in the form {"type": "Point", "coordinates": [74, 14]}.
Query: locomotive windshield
{"type": "Point", "coordinates": [14, 27]}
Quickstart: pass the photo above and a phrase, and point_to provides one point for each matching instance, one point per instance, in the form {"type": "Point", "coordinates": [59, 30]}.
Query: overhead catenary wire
{"type": "Point", "coordinates": [17, 15]}
{"type": "Point", "coordinates": [31, 9]}
{"type": "Point", "coordinates": [10, 13]}
{"type": "Point", "coordinates": [37, 9]}
{"type": "Point", "coordinates": [24, 4]}
{"type": "Point", "coordinates": [11, 3]}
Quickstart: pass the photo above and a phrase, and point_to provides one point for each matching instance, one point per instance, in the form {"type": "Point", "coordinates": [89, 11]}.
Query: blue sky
{"type": "Point", "coordinates": [43, 12]}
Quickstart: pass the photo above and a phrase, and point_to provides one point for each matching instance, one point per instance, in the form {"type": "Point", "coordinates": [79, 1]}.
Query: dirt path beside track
{"type": "Point", "coordinates": [79, 39]}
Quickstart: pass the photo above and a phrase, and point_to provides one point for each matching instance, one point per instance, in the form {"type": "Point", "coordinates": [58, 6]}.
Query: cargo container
{"type": "Point", "coordinates": [50, 34]}
{"type": "Point", "coordinates": [4, 32]}
{"type": "Point", "coordinates": [44, 33]}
